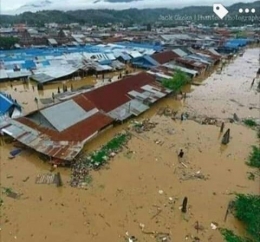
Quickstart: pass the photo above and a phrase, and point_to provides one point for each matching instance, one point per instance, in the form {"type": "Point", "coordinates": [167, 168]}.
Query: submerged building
{"type": "Point", "coordinates": [61, 130]}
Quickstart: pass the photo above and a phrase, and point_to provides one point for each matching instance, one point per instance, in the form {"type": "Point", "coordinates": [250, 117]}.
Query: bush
{"type": "Point", "coordinates": [247, 210]}
{"type": "Point", "coordinates": [229, 236]}
{"type": "Point", "coordinates": [250, 122]}
{"type": "Point", "coordinates": [179, 80]}
{"type": "Point", "coordinates": [254, 158]}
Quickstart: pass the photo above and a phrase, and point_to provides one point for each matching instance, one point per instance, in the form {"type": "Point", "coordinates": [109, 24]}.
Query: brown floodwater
{"type": "Point", "coordinates": [126, 193]}
{"type": "Point", "coordinates": [26, 93]}
{"type": "Point", "coordinates": [230, 92]}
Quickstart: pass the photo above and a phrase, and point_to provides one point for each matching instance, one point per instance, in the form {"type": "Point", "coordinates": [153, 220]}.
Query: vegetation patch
{"type": "Point", "coordinates": [251, 176]}
{"type": "Point", "coordinates": [179, 80]}
{"type": "Point", "coordinates": [254, 157]}
{"type": "Point", "coordinates": [246, 209]}
{"type": "Point", "coordinates": [100, 157]}
{"type": "Point", "coordinates": [229, 236]}
{"type": "Point", "coordinates": [80, 176]}
{"type": "Point", "coordinates": [250, 122]}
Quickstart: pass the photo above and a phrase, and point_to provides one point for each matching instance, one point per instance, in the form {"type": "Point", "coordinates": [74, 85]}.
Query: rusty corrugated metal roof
{"type": "Point", "coordinates": [113, 95]}
{"type": "Point", "coordinates": [63, 145]}
{"type": "Point", "coordinates": [164, 57]}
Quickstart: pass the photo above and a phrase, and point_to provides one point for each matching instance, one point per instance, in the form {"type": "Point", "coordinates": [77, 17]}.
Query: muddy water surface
{"type": "Point", "coordinates": [127, 193]}
{"type": "Point", "coordinates": [230, 92]}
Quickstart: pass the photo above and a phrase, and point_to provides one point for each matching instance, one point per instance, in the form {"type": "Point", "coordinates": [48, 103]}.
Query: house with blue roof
{"type": "Point", "coordinates": [144, 62]}
{"type": "Point", "coordinates": [9, 108]}
{"type": "Point", "coordinates": [234, 45]}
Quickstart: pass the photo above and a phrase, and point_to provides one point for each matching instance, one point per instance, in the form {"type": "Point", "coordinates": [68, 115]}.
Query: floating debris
{"type": "Point", "coordinates": [81, 168]}
{"type": "Point", "coordinates": [197, 175]}
{"type": "Point", "coordinates": [14, 153]}
{"type": "Point", "coordinates": [46, 179]}
{"type": "Point", "coordinates": [144, 126]}
{"type": "Point", "coordinates": [214, 225]}
{"type": "Point", "coordinates": [10, 193]}
{"type": "Point", "coordinates": [160, 192]}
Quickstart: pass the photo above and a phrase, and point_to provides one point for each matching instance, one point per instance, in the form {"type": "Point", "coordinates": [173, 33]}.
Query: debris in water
{"type": "Point", "coordinates": [26, 179]}
{"type": "Point", "coordinates": [143, 126]}
{"type": "Point", "coordinates": [46, 179]}
{"type": "Point", "coordinates": [226, 137]}
{"type": "Point", "coordinates": [161, 192]}
{"type": "Point", "coordinates": [214, 225]}
{"type": "Point", "coordinates": [11, 194]}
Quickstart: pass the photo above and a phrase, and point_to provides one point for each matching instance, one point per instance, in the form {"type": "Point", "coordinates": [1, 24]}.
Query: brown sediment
{"type": "Point", "coordinates": [135, 188]}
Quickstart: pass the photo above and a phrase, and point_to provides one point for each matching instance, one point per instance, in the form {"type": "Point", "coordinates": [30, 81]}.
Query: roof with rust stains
{"type": "Point", "coordinates": [43, 133]}
{"type": "Point", "coordinates": [111, 96]}
{"type": "Point", "coordinates": [164, 57]}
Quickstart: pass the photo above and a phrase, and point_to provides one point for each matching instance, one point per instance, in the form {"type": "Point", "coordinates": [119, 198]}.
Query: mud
{"type": "Point", "coordinates": [141, 194]}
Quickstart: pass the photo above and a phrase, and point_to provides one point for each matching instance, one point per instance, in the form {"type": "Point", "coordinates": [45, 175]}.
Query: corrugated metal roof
{"type": "Point", "coordinates": [165, 56]}
{"type": "Point", "coordinates": [52, 41]}
{"type": "Point", "coordinates": [113, 95]}
{"type": "Point", "coordinates": [156, 92]}
{"type": "Point", "coordinates": [66, 114]}
{"type": "Point", "coordinates": [177, 67]}
{"type": "Point", "coordinates": [6, 103]}
{"type": "Point", "coordinates": [138, 107]}
{"type": "Point", "coordinates": [180, 52]}
{"type": "Point", "coordinates": [63, 145]}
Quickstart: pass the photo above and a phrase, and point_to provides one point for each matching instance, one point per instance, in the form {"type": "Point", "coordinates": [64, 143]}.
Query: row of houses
{"type": "Point", "coordinates": [50, 64]}
{"type": "Point", "coordinates": [45, 65]}
{"type": "Point", "coordinates": [60, 131]}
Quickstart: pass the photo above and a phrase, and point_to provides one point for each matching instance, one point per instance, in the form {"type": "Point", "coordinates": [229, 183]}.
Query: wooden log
{"type": "Point", "coordinates": [184, 205]}
{"type": "Point", "coordinates": [222, 127]}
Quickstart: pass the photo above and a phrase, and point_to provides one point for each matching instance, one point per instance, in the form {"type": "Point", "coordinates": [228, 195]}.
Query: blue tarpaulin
{"type": "Point", "coordinates": [15, 152]}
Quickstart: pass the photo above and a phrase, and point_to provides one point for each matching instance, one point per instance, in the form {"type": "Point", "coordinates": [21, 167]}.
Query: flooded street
{"type": "Point", "coordinates": [26, 93]}
{"type": "Point", "coordinates": [230, 92]}
{"type": "Point", "coordinates": [148, 186]}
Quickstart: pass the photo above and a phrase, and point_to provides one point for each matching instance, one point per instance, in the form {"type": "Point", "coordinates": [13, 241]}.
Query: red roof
{"type": "Point", "coordinates": [78, 132]}
{"type": "Point", "coordinates": [111, 96]}
{"type": "Point", "coordinates": [84, 103]}
{"type": "Point", "coordinates": [164, 57]}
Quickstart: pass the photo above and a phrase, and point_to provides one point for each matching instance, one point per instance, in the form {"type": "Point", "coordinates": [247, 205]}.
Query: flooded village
{"type": "Point", "coordinates": [91, 139]}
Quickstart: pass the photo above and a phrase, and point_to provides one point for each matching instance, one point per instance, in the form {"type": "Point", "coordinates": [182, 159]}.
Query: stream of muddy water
{"type": "Point", "coordinates": [140, 195]}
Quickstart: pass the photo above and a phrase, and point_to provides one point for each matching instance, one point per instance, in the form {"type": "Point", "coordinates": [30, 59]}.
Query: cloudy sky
{"type": "Point", "coordinates": [9, 6]}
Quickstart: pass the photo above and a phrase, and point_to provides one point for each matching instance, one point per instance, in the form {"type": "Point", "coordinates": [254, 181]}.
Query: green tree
{"type": "Point", "coordinates": [178, 80]}
{"type": "Point", "coordinates": [7, 43]}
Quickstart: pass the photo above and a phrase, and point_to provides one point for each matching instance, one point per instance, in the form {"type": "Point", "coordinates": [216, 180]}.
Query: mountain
{"type": "Point", "coordinates": [161, 16]}
{"type": "Point", "coordinates": [17, 7]}
{"type": "Point", "coordinates": [35, 6]}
